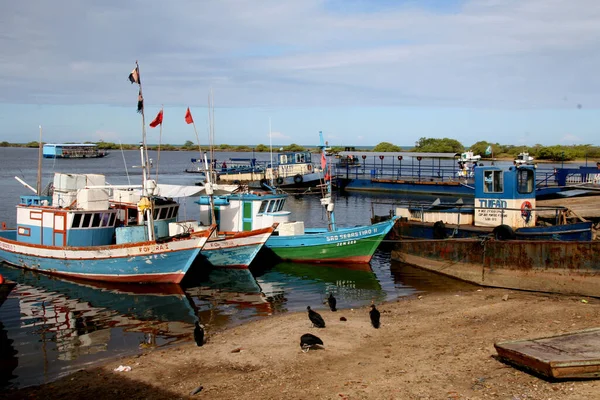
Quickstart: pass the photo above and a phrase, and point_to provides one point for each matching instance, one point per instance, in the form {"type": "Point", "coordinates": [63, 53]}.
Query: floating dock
{"type": "Point", "coordinates": [574, 355]}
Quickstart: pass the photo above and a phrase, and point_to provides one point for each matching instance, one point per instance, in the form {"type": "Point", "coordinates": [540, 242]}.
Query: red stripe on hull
{"type": "Point", "coordinates": [140, 279]}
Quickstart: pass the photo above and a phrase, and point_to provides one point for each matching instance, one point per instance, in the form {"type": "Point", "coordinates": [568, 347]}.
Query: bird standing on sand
{"type": "Point", "coordinates": [332, 302]}
{"type": "Point", "coordinates": [315, 318]}
{"type": "Point", "coordinates": [374, 314]}
{"type": "Point", "coordinates": [199, 334]}
{"type": "Point", "coordinates": [309, 341]}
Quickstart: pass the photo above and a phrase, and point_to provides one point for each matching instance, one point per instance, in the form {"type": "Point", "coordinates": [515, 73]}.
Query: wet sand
{"type": "Point", "coordinates": [435, 346]}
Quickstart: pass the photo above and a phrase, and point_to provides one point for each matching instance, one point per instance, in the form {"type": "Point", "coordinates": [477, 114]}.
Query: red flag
{"type": "Point", "coordinates": [188, 117]}
{"type": "Point", "coordinates": [157, 120]}
{"type": "Point", "coordinates": [327, 177]}
{"type": "Point", "coordinates": [323, 161]}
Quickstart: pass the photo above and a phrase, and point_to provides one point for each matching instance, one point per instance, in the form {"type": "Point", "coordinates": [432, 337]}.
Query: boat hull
{"type": "Point", "coordinates": [236, 251]}
{"type": "Point", "coordinates": [444, 188]}
{"type": "Point", "coordinates": [147, 262]}
{"type": "Point", "coordinates": [536, 265]}
{"type": "Point", "coordinates": [348, 245]}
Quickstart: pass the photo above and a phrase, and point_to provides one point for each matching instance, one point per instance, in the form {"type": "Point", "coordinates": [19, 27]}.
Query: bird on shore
{"type": "Point", "coordinates": [199, 334]}
{"type": "Point", "coordinates": [315, 318]}
{"type": "Point", "coordinates": [374, 314]}
{"type": "Point", "coordinates": [309, 341]}
{"type": "Point", "coordinates": [332, 302]}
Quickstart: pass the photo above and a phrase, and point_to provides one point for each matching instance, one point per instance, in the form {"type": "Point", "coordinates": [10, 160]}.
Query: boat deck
{"type": "Point", "coordinates": [574, 355]}
{"type": "Point", "coordinates": [585, 207]}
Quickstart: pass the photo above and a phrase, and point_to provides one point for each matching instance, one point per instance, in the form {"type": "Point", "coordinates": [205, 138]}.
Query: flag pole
{"type": "Point", "coordinates": [144, 155]}
{"type": "Point", "coordinates": [271, 151]}
{"type": "Point", "coordinates": [39, 171]}
{"type": "Point", "coordinates": [159, 142]}
{"type": "Point", "coordinates": [145, 164]}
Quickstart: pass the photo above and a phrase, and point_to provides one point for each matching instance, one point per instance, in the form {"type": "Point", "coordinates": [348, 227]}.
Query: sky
{"type": "Point", "coordinates": [517, 72]}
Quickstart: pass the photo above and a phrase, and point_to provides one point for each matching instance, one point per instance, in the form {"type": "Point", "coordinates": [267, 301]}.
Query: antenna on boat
{"type": "Point", "coordinates": [39, 171]}
{"type": "Point", "coordinates": [125, 163]}
{"type": "Point", "coordinates": [327, 200]}
{"type": "Point", "coordinates": [271, 151]}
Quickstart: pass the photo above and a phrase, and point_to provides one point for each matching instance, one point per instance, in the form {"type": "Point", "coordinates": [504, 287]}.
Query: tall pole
{"type": "Point", "coordinates": [271, 152]}
{"type": "Point", "coordinates": [39, 171]}
{"type": "Point", "coordinates": [159, 143]}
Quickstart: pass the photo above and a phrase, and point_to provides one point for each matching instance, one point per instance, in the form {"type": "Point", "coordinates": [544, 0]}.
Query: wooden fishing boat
{"type": "Point", "coordinates": [74, 231]}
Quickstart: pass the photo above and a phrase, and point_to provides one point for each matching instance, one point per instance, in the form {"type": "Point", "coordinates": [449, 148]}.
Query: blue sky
{"type": "Point", "coordinates": [511, 71]}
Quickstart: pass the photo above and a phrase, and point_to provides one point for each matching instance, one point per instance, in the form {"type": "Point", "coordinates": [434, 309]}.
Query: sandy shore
{"type": "Point", "coordinates": [437, 346]}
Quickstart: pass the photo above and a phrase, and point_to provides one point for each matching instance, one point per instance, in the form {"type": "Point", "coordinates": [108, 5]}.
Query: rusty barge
{"type": "Point", "coordinates": [504, 240]}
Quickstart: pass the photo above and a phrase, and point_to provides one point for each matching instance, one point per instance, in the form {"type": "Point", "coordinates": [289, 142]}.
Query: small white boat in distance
{"type": "Point", "coordinates": [523, 158]}
{"type": "Point", "coordinates": [468, 156]}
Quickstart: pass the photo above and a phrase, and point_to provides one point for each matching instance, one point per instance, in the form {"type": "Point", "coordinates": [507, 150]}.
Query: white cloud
{"type": "Point", "coordinates": [279, 136]}
{"type": "Point", "coordinates": [500, 54]}
{"type": "Point", "coordinates": [571, 139]}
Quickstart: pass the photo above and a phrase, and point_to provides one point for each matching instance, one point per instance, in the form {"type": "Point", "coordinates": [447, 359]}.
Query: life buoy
{"type": "Point", "coordinates": [439, 230]}
{"type": "Point", "coordinates": [1, 279]}
{"type": "Point", "coordinates": [279, 180]}
{"type": "Point", "coordinates": [526, 211]}
{"type": "Point", "coordinates": [309, 167]}
{"type": "Point", "coordinates": [298, 179]}
{"type": "Point", "coordinates": [503, 232]}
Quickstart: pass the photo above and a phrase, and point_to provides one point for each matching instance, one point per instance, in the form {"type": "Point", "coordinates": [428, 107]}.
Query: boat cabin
{"type": "Point", "coordinates": [505, 196]}
{"type": "Point", "coordinates": [71, 150]}
{"type": "Point", "coordinates": [244, 212]}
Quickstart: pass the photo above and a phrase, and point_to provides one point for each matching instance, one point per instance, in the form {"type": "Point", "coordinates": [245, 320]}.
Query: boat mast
{"type": "Point", "coordinates": [145, 204]}
{"type": "Point", "coordinates": [39, 170]}
{"type": "Point", "coordinates": [327, 200]}
{"type": "Point", "coordinates": [271, 153]}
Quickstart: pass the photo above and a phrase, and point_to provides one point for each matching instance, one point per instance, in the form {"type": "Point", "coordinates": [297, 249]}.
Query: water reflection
{"type": "Point", "coordinates": [426, 281]}
{"type": "Point", "coordinates": [51, 326]}
{"type": "Point", "coordinates": [293, 286]}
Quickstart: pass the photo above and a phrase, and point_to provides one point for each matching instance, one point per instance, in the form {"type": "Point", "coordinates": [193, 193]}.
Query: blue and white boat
{"type": "Point", "coordinates": [72, 150]}
{"type": "Point", "coordinates": [75, 233]}
{"type": "Point", "coordinates": [504, 239]}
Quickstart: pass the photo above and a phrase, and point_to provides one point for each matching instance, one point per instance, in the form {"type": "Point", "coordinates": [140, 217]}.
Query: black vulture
{"type": "Point", "coordinates": [315, 318]}
{"type": "Point", "coordinates": [199, 334]}
{"type": "Point", "coordinates": [332, 302]}
{"type": "Point", "coordinates": [309, 341]}
{"type": "Point", "coordinates": [374, 314]}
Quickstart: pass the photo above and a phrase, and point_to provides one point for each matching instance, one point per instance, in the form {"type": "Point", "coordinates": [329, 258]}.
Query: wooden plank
{"type": "Point", "coordinates": [586, 206]}
{"type": "Point", "coordinates": [567, 356]}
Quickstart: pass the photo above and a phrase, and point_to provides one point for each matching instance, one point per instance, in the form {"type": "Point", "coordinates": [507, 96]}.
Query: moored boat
{"type": "Point", "coordinates": [72, 150]}
{"type": "Point", "coordinates": [291, 241]}
{"type": "Point", "coordinates": [74, 231]}
{"type": "Point", "coordinates": [503, 240]}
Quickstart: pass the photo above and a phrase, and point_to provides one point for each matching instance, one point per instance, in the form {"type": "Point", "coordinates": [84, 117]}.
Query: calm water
{"type": "Point", "coordinates": [50, 326]}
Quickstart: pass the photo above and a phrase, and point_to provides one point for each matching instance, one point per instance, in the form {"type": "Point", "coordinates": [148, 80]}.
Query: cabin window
{"type": "Point", "coordinates": [112, 219]}
{"type": "Point", "coordinates": [282, 159]}
{"type": "Point", "coordinates": [96, 220]}
{"type": "Point", "coordinates": [263, 206]}
{"type": "Point", "coordinates": [86, 220]}
{"type": "Point", "coordinates": [282, 202]}
{"type": "Point", "coordinates": [271, 204]}
{"type": "Point", "coordinates": [492, 182]}
{"type": "Point", "coordinates": [163, 213]}
{"type": "Point", "coordinates": [76, 221]}
{"type": "Point", "coordinates": [525, 181]}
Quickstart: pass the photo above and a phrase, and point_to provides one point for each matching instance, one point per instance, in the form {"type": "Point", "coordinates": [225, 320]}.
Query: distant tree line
{"type": "Point", "coordinates": [426, 145]}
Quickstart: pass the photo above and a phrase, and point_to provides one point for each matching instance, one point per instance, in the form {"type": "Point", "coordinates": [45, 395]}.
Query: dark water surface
{"type": "Point", "coordinates": [50, 326]}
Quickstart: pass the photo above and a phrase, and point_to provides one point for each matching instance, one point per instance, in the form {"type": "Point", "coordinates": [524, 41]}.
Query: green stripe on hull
{"type": "Point", "coordinates": [360, 251]}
